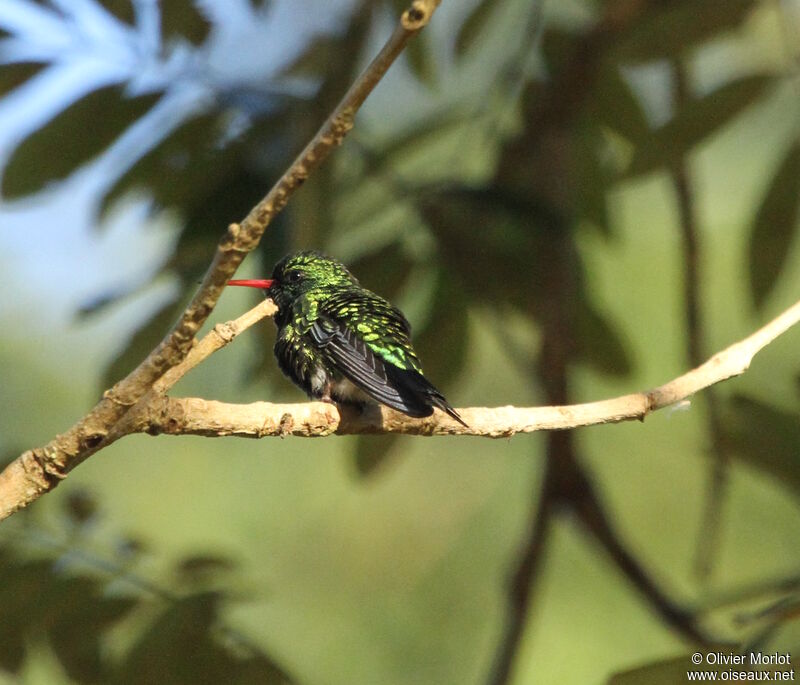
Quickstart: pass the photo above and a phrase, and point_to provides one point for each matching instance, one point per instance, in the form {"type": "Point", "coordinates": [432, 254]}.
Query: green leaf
{"type": "Point", "coordinates": [766, 437]}
{"type": "Point", "coordinates": [183, 646]}
{"type": "Point", "coordinates": [77, 618]}
{"type": "Point", "coordinates": [53, 152]}
{"type": "Point", "coordinates": [470, 31]}
{"type": "Point", "coordinates": [616, 106]}
{"type": "Point", "coordinates": [775, 226]}
{"type": "Point", "coordinates": [697, 120]}
{"type": "Point", "coordinates": [479, 228]}
{"type": "Point", "coordinates": [598, 344]}
{"type": "Point", "coordinates": [672, 28]}
{"type": "Point", "coordinates": [24, 590]}
{"type": "Point", "coordinates": [592, 181]}
{"type": "Point", "coordinates": [418, 54]}
{"type": "Point", "coordinates": [184, 165]}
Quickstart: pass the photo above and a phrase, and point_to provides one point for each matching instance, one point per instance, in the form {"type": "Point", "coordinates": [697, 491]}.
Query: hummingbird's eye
{"type": "Point", "coordinates": [294, 276]}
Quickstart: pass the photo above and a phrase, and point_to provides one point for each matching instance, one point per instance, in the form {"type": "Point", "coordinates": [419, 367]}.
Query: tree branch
{"type": "Point", "coordinates": [40, 469]}
{"type": "Point", "coordinates": [194, 416]}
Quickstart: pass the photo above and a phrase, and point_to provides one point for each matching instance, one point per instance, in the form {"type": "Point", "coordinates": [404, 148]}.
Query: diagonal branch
{"type": "Point", "coordinates": [40, 469]}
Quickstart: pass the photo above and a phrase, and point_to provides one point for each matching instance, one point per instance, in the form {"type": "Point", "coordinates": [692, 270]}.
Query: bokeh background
{"type": "Point", "coordinates": [569, 200]}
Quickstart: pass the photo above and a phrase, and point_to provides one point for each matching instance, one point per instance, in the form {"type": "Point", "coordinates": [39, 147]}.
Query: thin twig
{"type": "Point", "coordinates": [194, 416]}
{"type": "Point", "coordinates": [39, 470]}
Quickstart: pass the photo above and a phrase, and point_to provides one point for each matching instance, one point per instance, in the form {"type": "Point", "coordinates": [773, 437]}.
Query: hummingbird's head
{"type": "Point", "coordinates": [297, 274]}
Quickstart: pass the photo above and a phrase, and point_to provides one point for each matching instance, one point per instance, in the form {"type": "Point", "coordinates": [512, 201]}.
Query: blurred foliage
{"type": "Point", "coordinates": [473, 207]}
{"type": "Point", "coordinates": [56, 594]}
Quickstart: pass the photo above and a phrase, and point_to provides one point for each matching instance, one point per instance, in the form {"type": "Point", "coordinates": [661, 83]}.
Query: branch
{"type": "Point", "coordinates": [39, 470]}
{"type": "Point", "coordinates": [193, 416]}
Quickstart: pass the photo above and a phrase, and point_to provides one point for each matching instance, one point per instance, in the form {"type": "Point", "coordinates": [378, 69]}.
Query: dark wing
{"type": "Point", "coordinates": [367, 340]}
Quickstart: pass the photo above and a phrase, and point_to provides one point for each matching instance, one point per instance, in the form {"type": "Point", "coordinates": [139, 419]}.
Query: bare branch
{"type": "Point", "coordinates": [193, 416]}
{"type": "Point", "coordinates": [39, 470]}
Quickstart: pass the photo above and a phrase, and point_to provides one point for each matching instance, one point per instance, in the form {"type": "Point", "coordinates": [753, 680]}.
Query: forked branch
{"type": "Point", "coordinates": [194, 416]}
{"type": "Point", "coordinates": [40, 469]}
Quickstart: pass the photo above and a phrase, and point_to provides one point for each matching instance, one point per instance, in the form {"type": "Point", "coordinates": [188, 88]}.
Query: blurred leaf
{"type": "Point", "coordinates": [490, 228]}
{"type": "Point", "coordinates": [442, 344]}
{"type": "Point", "coordinates": [420, 59]}
{"type": "Point", "coordinates": [202, 568]}
{"type": "Point", "coordinates": [592, 182]}
{"type": "Point", "coordinates": [141, 343]}
{"type": "Point", "coordinates": [469, 32]}
{"type": "Point", "coordinates": [182, 646]}
{"type": "Point", "coordinates": [53, 152]}
{"type": "Point", "coordinates": [183, 18]}
{"type": "Point", "coordinates": [616, 106]}
{"type": "Point", "coordinates": [23, 598]}
{"type": "Point", "coordinates": [183, 165]}
{"type": "Point", "coordinates": [775, 226]}
{"type": "Point", "coordinates": [766, 437]}
{"type": "Point", "coordinates": [598, 344]}
{"type": "Point", "coordinates": [672, 28]}
{"type": "Point", "coordinates": [697, 120]}
{"type": "Point", "coordinates": [121, 9]}
{"type": "Point", "coordinates": [78, 617]}
{"type": "Point", "coordinates": [13, 75]}
{"type": "Point", "coordinates": [384, 271]}
{"type": "Point", "coordinates": [80, 505]}
{"type": "Point", "coordinates": [100, 303]}
{"type": "Point", "coordinates": [559, 49]}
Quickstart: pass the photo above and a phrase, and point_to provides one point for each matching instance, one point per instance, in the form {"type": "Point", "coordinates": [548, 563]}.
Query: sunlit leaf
{"type": "Point", "coordinates": [670, 29]}
{"type": "Point", "coordinates": [775, 226]}
{"type": "Point", "coordinates": [766, 437]}
{"type": "Point", "coordinates": [61, 146]}
{"type": "Point", "coordinates": [697, 120]}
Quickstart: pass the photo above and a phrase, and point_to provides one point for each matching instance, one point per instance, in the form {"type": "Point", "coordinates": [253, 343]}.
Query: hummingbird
{"type": "Point", "coordinates": [340, 342]}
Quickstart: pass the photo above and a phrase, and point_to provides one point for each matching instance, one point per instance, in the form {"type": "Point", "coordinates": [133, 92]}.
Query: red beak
{"type": "Point", "coordinates": [263, 283]}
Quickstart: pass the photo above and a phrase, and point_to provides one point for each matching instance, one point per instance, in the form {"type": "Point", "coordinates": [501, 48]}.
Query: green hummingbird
{"type": "Point", "coordinates": [340, 342]}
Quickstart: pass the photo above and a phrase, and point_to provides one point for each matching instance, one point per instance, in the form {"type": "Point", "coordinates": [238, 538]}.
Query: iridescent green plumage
{"type": "Point", "coordinates": [341, 342]}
